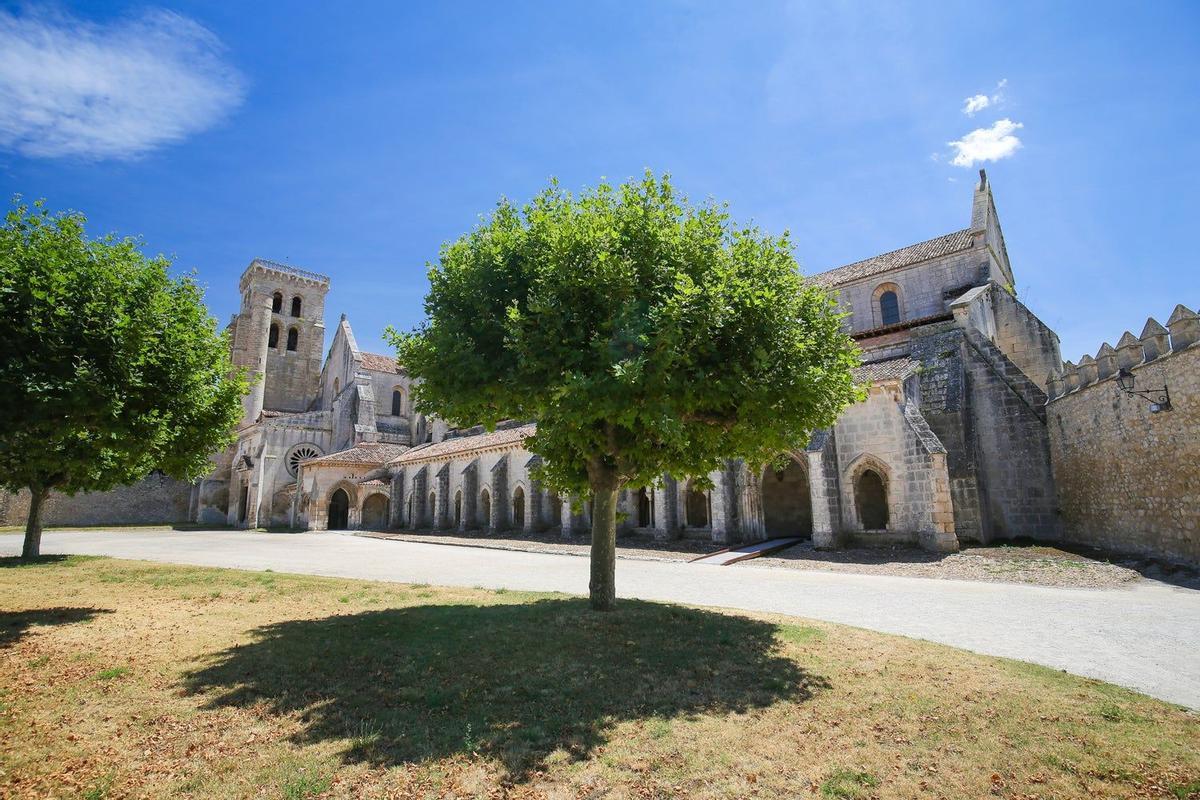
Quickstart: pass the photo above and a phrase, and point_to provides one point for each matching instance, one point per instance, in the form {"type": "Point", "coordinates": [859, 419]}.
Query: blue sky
{"type": "Point", "coordinates": [355, 142]}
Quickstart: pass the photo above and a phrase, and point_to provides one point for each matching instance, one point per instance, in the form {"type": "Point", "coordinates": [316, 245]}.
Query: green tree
{"type": "Point", "coordinates": [111, 368]}
{"type": "Point", "coordinates": [646, 336]}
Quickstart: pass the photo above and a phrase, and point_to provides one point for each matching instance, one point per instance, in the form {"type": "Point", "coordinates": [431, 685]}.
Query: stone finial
{"type": "Point", "coordinates": [1185, 327]}
{"type": "Point", "coordinates": [1129, 351]}
{"type": "Point", "coordinates": [1088, 371]}
{"type": "Point", "coordinates": [1070, 377]}
{"type": "Point", "coordinates": [1155, 340]}
{"type": "Point", "coordinates": [1106, 361]}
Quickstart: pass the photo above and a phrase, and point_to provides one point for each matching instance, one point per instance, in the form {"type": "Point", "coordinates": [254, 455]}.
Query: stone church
{"type": "Point", "coordinates": [950, 444]}
{"type": "Point", "coordinates": [968, 399]}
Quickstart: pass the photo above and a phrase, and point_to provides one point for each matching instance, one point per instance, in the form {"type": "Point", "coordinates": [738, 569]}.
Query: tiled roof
{"type": "Point", "coordinates": [893, 369]}
{"type": "Point", "coordinates": [378, 363]}
{"type": "Point", "coordinates": [451, 448]}
{"type": "Point", "coordinates": [922, 251]}
{"type": "Point", "coordinates": [362, 453]}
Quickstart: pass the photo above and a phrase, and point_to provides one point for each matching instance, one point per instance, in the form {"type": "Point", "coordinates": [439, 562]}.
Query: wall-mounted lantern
{"type": "Point", "coordinates": [1160, 398]}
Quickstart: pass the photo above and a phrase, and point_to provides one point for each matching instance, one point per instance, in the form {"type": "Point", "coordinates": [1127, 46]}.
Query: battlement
{"type": "Point", "coordinates": [1181, 332]}
{"type": "Point", "coordinates": [266, 266]}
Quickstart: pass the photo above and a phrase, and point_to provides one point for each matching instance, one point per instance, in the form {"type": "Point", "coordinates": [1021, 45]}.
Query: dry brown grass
{"type": "Point", "coordinates": [124, 679]}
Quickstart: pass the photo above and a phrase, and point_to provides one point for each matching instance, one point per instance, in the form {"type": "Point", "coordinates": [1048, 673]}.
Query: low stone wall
{"type": "Point", "coordinates": [1128, 478]}
{"type": "Point", "coordinates": [156, 500]}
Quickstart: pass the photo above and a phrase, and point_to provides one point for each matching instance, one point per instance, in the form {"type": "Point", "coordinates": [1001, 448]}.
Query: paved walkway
{"type": "Point", "coordinates": [1146, 636]}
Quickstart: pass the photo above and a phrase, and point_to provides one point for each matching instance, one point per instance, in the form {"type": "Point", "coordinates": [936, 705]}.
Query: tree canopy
{"type": "Point", "coordinates": [111, 367]}
{"type": "Point", "coordinates": [645, 335]}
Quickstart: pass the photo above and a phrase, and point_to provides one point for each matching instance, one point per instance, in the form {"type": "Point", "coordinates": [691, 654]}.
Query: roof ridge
{"type": "Point", "coordinates": [957, 240]}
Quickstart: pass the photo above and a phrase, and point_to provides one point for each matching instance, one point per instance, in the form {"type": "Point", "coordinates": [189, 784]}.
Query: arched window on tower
{"type": "Point", "coordinates": [293, 339]}
{"type": "Point", "coordinates": [889, 308]}
{"type": "Point", "coordinates": [295, 306]}
{"type": "Point", "coordinates": [397, 402]}
{"type": "Point", "coordinates": [273, 336]}
{"type": "Point", "coordinates": [276, 303]}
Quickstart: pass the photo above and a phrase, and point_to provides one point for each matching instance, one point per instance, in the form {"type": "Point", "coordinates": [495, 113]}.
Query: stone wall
{"type": "Point", "coordinates": [1128, 478]}
{"type": "Point", "coordinates": [156, 500]}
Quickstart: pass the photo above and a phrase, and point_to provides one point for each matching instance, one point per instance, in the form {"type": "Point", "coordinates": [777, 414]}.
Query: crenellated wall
{"type": "Point", "coordinates": [1128, 477]}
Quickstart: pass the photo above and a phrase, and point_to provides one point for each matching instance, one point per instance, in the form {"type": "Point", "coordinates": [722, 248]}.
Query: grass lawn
{"type": "Point", "coordinates": [121, 678]}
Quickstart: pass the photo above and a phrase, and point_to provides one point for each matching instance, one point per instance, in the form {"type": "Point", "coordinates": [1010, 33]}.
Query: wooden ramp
{"type": "Point", "coordinates": [732, 555]}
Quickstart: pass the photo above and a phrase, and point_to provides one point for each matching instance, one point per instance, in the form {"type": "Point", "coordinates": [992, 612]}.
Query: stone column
{"type": "Point", "coordinates": [501, 499]}
{"type": "Point", "coordinates": [441, 515]}
{"type": "Point", "coordinates": [666, 506]}
{"type": "Point", "coordinates": [749, 490]}
{"type": "Point", "coordinates": [535, 507]}
{"type": "Point", "coordinates": [470, 495]}
{"type": "Point", "coordinates": [398, 497]}
{"type": "Point", "coordinates": [719, 507]}
{"type": "Point", "coordinates": [824, 491]}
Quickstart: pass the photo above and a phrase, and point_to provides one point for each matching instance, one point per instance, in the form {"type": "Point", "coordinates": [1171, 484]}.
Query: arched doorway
{"type": "Point", "coordinates": [375, 513]}
{"type": "Point", "coordinates": [787, 501]}
{"type": "Point", "coordinates": [870, 498]}
{"type": "Point", "coordinates": [458, 509]}
{"type": "Point", "coordinates": [697, 508]}
{"type": "Point", "coordinates": [485, 509]}
{"type": "Point", "coordinates": [645, 509]}
{"type": "Point", "coordinates": [339, 511]}
{"type": "Point", "coordinates": [518, 507]}
{"type": "Point", "coordinates": [432, 509]}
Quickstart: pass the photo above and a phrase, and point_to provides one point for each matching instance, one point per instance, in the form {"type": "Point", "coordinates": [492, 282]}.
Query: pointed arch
{"type": "Point", "coordinates": [293, 338]}
{"type": "Point", "coordinates": [870, 484]}
{"type": "Point", "coordinates": [276, 302]}
{"type": "Point", "coordinates": [296, 305]}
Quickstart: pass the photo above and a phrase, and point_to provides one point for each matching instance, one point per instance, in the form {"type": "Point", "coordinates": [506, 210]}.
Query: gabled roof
{"type": "Point", "coordinates": [379, 363]}
{"type": "Point", "coordinates": [914, 253]}
{"type": "Point", "coordinates": [361, 453]}
{"type": "Point", "coordinates": [892, 369]}
{"type": "Point", "coordinates": [460, 445]}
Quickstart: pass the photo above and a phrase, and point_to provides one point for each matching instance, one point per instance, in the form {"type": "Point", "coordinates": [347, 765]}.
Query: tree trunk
{"type": "Point", "coordinates": [33, 524]}
{"type": "Point", "coordinates": [603, 586]}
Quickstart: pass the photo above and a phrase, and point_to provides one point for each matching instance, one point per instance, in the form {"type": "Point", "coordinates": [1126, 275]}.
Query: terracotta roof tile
{"type": "Point", "coordinates": [921, 251]}
{"type": "Point", "coordinates": [451, 448]}
{"type": "Point", "coordinates": [379, 363]}
{"type": "Point", "coordinates": [893, 369]}
{"type": "Point", "coordinates": [362, 453]}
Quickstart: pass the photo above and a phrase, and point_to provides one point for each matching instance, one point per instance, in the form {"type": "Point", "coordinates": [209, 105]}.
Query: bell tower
{"type": "Point", "coordinates": [279, 336]}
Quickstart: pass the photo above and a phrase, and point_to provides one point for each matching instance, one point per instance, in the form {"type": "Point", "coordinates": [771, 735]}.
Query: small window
{"type": "Point", "coordinates": [293, 338]}
{"type": "Point", "coordinates": [889, 308]}
{"type": "Point", "coordinates": [273, 336]}
{"type": "Point", "coordinates": [337, 387]}
{"type": "Point", "coordinates": [397, 402]}
{"type": "Point", "coordinates": [295, 306]}
{"type": "Point", "coordinates": [276, 303]}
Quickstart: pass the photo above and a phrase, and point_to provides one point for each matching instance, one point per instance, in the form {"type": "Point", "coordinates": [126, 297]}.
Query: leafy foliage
{"type": "Point", "coordinates": [634, 328]}
{"type": "Point", "coordinates": [111, 368]}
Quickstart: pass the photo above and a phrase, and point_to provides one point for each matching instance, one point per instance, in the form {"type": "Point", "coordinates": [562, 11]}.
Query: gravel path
{"type": "Point", "coordinates": [1144, 635]}
{"type": "Point", "coordinates": [1041, 566]}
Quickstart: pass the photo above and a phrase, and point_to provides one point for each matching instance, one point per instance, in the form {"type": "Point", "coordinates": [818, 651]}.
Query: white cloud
{"type": "Point", "coordinates": [987, 144]}
{"type": "Point", "coordinates": [74, 88]}
{"type": "Point", "coordinates": [976, 103]}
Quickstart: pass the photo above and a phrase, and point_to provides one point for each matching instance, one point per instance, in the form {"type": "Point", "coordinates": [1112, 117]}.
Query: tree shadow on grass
{"type": "Point", "coordinates": [16, 562]}
{"type": "Point", "coordinates": [514, 682]}
{"type": "Point", "coordinates": [14, 624]}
